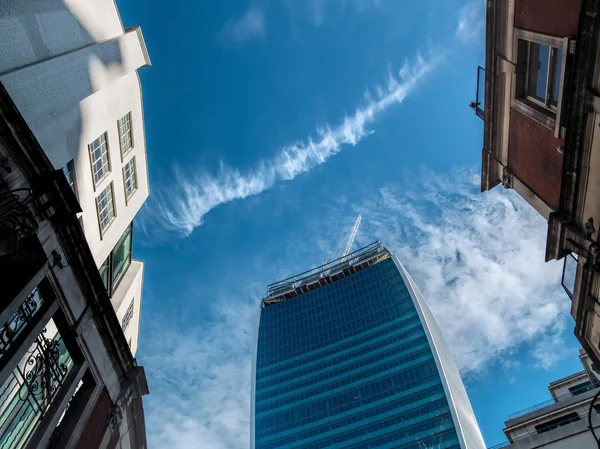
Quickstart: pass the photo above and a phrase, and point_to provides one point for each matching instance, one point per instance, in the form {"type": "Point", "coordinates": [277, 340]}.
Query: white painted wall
{"type": "Point", "coordinates": [34, 31]}
{"type": "Point", "coordinates": [562, 389]}
{"type": "Point", "coordinates": [71, 69]}
{"type": "Point", "coordinates": [528, 428]}
{"type": "Point", "coordinates": [130, 290]}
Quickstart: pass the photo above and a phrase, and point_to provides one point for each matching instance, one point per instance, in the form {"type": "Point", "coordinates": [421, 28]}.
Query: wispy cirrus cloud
{"type": "Point", "coordinates": [487, 285]}
{"type": "Point", "coordinates": [249, 26]}
{"type": "Point", "coordinates": [318, 8]}
{"type": "Point", "coordinates": [196, 194]}
{"type": "Point", "coordinates": [471, 23]}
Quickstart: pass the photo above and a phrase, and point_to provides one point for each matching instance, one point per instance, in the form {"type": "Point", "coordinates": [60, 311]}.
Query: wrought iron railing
{"type": "Point", "coordinates": [325, 269]}
{"type": "Point", "coordinates": [15, 215]}
{"type": "Point", "coordinates": [541, 405]}
{"type": "Point", "coordinates": [30, 389]}
{"type": "Point", "coordinates": [19, 320]}
{"type": "Point", "coordinates": [542, 429]}
{"type": "Point", "coordinates": [479, 104]}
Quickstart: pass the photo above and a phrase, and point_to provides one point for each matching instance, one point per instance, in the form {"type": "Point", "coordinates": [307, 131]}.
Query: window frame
{"type": "Point", "coordinates": [69, 167]}
{"type": "Point", "coordinates": [550, 78]}
{"type": "Point", "coordinates": [549, 116]}
{"type": "Point", "coordinates": [128, 316]}
{"type": "Point", "coordinates": [98, 182]}
{"type": "Point", "coordinates": [114, 208]}
{"type": "Point", "coordinates": [131, 147]}
{"type": "Point", "coordinates": [110, 262]}
{"type": "Point", "coordinates": [135, 179]}
{"type": "Point", "coordinates": [128, 232]}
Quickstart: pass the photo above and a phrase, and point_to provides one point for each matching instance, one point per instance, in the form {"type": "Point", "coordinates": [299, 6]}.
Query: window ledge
{"type": "Point", "coordinates": [128, 197]}
{"type": "Point", "coordinates": [522, 106]}
{"type": "Point", "coordinates": [126, 153]}
{"type": "Point", "coordinates": [101, 183]}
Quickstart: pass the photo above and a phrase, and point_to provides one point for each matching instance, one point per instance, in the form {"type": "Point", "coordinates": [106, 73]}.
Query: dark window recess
{"type": "Point", "coordinates": [597, 408]}
{"type": "Point", "coordinates": [127, 317]}
{"type": "Point", "coordinates": [558, 422]}
{"type": "Point", "coordinates": [69, 171]}
{"type": "Point", "coordinates": [114, 267]}
{"type": "Point", "coordinates": [581, 388]}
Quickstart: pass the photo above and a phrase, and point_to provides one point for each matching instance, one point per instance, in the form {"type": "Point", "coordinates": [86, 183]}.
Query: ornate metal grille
{"type": "Point", "coordinates": [15, 215]}
{"type": "Point", "coordinates": [28, 392]}
{"type": "Point", "coordinates": [19, 320]}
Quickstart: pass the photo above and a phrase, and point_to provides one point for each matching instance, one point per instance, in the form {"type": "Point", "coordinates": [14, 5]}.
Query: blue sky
{"type": "Point", "coordinates": [270, 126]}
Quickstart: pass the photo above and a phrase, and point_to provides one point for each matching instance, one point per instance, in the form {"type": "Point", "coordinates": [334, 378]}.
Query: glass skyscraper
{"type": "Point", "coordinates": [348, 355]}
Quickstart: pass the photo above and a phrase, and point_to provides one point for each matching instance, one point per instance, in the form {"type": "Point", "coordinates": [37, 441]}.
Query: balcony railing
{"type": "Point", "coordinates": [542, 430]}
{"type": "Point", "coordinates": [479, 104]}
{"type": "Point", "coordinates": [29, 391]}
{"type": "Point", "coordinates": [542, 405]}
{"type": "Point", "coordinates": [313, 276]}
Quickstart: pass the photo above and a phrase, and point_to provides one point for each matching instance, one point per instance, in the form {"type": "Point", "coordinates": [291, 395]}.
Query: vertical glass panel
{"type": "Point", "coordinates": [556, 69]}
{"type": "Point", "coordinates": [69, 171]}
{"type": "Point", "coordinates": [105, 271]}
{"type": "Point", "coordinates": [537, 70]}
{"type": "Point", "coordinates": [348, 364]}
{"type": "Point", "coordinates": [121, 257]}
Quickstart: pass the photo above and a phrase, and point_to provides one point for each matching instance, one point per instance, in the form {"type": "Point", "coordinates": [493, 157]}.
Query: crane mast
{"type": "Point", "coordinates": [351, 237]}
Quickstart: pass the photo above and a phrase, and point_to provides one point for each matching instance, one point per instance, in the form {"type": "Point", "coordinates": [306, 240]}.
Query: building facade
{"type": "Point", "coordinates": [72, 177]}
{"type": "Point", "coordinates": [541, 133]}
{"type": "Point", "coordinates": [70, 67]}
{"type": "Point", "coordinates": [349, 355]}
{"type": "Point", "coordinates": [561, 422]}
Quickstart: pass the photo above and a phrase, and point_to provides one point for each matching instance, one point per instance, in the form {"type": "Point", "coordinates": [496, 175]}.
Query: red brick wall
{"type": "Point", "coordinates": [553, 17]}
{"type": "Point", "coordinates": [533, 157]}
{"type": "Point", "coordinates": [94, 428]}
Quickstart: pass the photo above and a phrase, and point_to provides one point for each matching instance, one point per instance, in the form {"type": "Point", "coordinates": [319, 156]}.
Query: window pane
{"type": "Point", "coordinates": [537, 66]}
{"type": "Point", "coordinates": [69, 171]}
{"type": "Point", "coordinates": [557, 66]}
{"type": "Point", "coordinates": [130, 178]}
{"type": "Point", "coordinates": [127, 318]}
{"type": "Point", "coordinates": [121, 257]}
{"type": "Point", "coordinates": [99, 157]}
{"type": "Point", "coordinates": [104, 272]}
{"type": "Point", "coordinates": [106, 209]}
{"type": "Point", "coordinates": [125, 133]}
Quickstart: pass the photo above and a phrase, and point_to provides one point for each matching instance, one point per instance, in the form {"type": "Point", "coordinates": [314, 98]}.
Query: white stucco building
{"type": "Point", "coordinates": [561, 422]}
{"type": "Point", "coordinates": [71, 69]}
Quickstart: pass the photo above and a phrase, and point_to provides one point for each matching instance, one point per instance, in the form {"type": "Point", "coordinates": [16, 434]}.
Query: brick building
{"type": "Point", "coordinates": [541, 111]}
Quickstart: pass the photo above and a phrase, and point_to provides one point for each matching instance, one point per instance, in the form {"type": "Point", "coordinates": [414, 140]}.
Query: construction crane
{"type": "Point", "coordinates": [349, 239]}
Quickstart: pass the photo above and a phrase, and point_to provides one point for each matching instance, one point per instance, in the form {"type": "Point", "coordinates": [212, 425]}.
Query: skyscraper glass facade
{"type": "Point", "coordinates": [348, 364]}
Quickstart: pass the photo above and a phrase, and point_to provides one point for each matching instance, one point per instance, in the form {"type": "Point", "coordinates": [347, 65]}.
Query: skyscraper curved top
{"type": "Point", "coordinates": [349, 355]}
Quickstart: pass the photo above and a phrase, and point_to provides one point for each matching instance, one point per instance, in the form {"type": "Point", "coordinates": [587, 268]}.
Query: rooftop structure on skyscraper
{"type": "Point", "coordinates": [349, 355]}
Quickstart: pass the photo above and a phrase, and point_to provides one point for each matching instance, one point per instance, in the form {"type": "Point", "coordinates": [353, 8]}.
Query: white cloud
{"type": "Point", "coordinates": [251, 25]}
{"type": "Point", "coordinates": [182, 209]}
{"type": "Point", "coordinates": [199, 382]}
{"type": "Point", "coordinates": [471, 22]}
{"type": "Point", "coordinates": [478, 258]}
